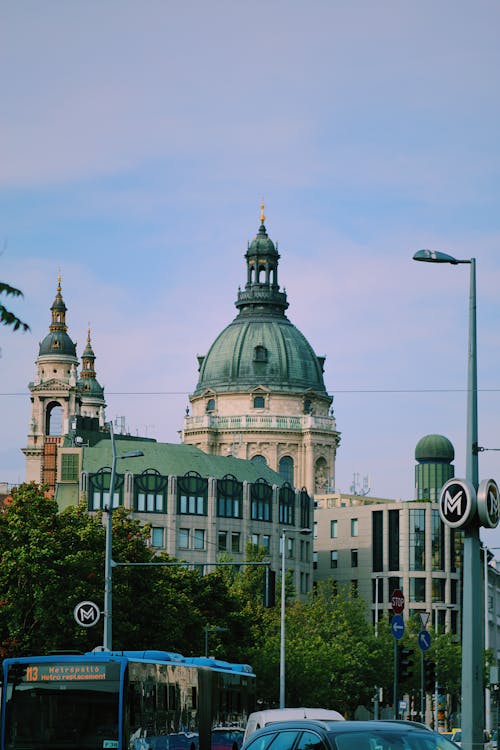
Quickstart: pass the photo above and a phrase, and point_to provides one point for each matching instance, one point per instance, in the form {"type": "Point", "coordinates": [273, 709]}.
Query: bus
{"type": "Point", "coordinates": [121, 700]}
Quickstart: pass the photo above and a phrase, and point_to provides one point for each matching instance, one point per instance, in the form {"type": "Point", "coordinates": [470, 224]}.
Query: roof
{"type": "Point", "coordinates": [434, 448]}
{"type": "Point", "coordinates": [173, 460]}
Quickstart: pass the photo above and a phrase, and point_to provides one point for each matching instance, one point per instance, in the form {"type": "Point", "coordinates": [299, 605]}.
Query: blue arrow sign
{"type": "Point", "coordinates": [424, 640]}
{"type": "Point", "coordinates": [398, 627]}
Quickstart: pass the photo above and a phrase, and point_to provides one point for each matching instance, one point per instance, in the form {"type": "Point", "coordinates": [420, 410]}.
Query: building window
{"type": "Point", "coordinates": [259, 402]}
{"type": "Point", "coordinates": [210, 405]}
{"type": "Point", "coordinates": [438, 589]}
{"type": "Point", "coordinates": [334, 558]}
{"type": "Point", "coordinates": [394, 540]}
{"type": "Point", "coordinates": [354, 558]}
{"type": "Point", "coordinates": [417, 589]}
{"type": "Point", "coordinates": [354, 527]}
{"type": "Point", "coordinates": [315, 560]}
{"type": "Point", "coordinates": [266, 542]}
{"type": "Point", "coordinates": [99, 489]}
{"type": "Point", "coordinates": [229, 497]}
{"type": "Point", "coordinates": [184, 538]}
{"type": "Point", "coordinates": [417, 539]}
{"type": "Point", "coordinates": [150, 492]}
{"type": "Point", "coordinates": [334, 529]}
{"type": "Point", "coordinates": [259, 460]}
{"type": "Point", "coordinates": [286, 469]}
{"type": "Point", "coordinates": [286, 505]}
{"type": "Point", "coordinates": [69, 467]}
{"type": "Point", "coordinates": [235, 541]}
{"type": "Point", "coordinates": [255, 540]}
{"type": "Point", "coordinates": [377, 541]}
{"type": "Point", "coordinates": [222, 541]}
{"type": "Point", "coordinates": [289, 546]}
{"type": "Point", "coordinates": [261, 496]}
{"type": "Point", "coordinates": [260, 354]}
{"type": "Point", "coordinates": [437, 541]}
{"type": "Point", "coordinates": [157, 535]}
{"type": "Point", "coordinates": [305, 510]}
{"type": "Point", "coordinates": [199, 539]}
{"type": "Point", "coordinates": [192, 494]}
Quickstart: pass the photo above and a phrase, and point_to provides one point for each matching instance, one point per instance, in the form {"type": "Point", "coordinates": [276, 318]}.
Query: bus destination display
{"type": "Point", "coordinates": [65, 672]}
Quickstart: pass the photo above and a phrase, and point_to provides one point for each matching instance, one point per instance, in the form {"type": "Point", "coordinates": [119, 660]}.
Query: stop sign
{"type": "Point", "coordinates": [397, 601]}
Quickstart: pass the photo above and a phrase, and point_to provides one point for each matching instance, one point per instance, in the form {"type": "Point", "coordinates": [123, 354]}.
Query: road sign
{"type": "Point", "coordinates": [457, 503]}
{"type": "Point", "coordinates": [487, 503]}
{"type": "Point", "coordinates": [397, 601]}
{"type": "Point", "coordinates": [397, 627]}
{"type": "Point", "coordinates": [87, 614]}
{"type": "Point", "coordinates": [424, 640]}
{"type": "Point", "coordinates": [424, 618]}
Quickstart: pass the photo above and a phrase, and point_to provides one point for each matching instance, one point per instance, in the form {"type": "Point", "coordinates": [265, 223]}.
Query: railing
{"type": "Point", "coordinates": [258, 421]}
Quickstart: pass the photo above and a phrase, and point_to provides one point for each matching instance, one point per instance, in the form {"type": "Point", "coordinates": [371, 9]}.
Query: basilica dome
{"type": "Point", "coordinates": [261, 347]}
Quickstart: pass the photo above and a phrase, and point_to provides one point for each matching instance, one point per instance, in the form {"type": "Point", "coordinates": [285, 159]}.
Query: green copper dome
{"type": "Point", "coordinates": [434, 448]}
{"type": "Point", "coordinates": [261, 346]}
{"type": "Point", "coordinates": [57, 341]}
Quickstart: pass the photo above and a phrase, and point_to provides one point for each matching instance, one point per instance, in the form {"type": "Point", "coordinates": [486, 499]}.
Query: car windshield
{"type": "Point", "coordinates": [381, 739]}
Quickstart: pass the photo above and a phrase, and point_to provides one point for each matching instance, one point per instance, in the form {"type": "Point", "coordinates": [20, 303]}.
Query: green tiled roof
{"type": "Point", "coordinates": [173, 460]}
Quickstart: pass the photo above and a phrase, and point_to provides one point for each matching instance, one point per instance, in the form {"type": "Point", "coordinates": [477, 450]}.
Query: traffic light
{"type": "Point", "coordinates": [405, 663]}
{"type": "Point", "coordinates": [429, 675]}
{"type": "Point", "coordinates": [269, 587]}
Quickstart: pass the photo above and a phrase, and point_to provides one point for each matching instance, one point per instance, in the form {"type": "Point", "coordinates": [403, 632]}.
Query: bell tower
{"type": "Point", "coordinates": [55, 396]}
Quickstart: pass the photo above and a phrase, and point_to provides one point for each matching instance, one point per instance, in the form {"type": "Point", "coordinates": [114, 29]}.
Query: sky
{"type": "Point", "coordinates": [137, 140]}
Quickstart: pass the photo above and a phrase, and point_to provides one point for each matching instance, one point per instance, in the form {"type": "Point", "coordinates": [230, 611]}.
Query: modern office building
{"type": "Point", "coordinates": [377, 545]}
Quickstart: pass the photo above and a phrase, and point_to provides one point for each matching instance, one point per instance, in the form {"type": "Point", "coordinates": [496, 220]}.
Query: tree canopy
{"type": "Point", "coordinates": [6, 316]}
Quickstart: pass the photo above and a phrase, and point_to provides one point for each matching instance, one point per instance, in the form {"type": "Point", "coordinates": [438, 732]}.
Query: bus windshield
{"type": "Point", "coordinates": [61, 705]}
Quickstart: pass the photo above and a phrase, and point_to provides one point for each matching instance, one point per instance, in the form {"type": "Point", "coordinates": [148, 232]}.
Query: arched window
{"type": "Point", "coordinates": [286, 469]}
{"type": "Point", "coordinates": [259, 460]}
{"type": "Point", "coordinates": [54, 419]}
{"type": "Point", "coordinates": [210, 405]}
{"type": "Point", "coordinates": [259, 402]}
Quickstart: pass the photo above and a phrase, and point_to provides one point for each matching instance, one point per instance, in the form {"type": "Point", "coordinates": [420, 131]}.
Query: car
{"type": "Point", "coordinates": [456, 736]}
{"type": "Point", "coordinates": [314, 734]}
{"type": "Point", "coordinates": [260, 719]}
{"type": "Point", "coordinates": [227, 738]}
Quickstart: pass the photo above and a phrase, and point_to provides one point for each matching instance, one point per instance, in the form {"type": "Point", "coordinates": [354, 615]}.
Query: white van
{"type": "Point", "coordinates": [261, 719]}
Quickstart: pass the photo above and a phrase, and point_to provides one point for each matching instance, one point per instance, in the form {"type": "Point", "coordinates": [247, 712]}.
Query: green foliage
{"type": "Point", "coordinates": [6, 316]}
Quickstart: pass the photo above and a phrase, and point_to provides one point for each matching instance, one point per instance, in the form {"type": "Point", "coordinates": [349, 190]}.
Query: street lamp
{"type": "Point", "coordinates": [472, 630]}
{"type": "Point", "coordinates": [284, 532]}
{"type": "Point", "coordinates": [108, 559]}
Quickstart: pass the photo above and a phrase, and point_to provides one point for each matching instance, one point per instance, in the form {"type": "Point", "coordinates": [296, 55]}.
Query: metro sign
{"type": "Point", "coordinates": [488, 503]}
{"type": "Point", "coordinates": [86, 614]}
{"type": "Point", "coordinates": [457, 503]}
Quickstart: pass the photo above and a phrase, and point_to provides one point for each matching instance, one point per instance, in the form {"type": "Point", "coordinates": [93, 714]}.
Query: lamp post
{"type": "Point", "coordinates": [108, 559]}
{"type": "Point", "coordinates": [472, 630]}
{"type": "Point", "coordinates": [284, 532]}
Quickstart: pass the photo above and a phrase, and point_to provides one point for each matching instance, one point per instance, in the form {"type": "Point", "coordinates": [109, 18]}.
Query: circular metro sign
{"type": "Point", "coordinates": [87, 614]}
{"type": "Point", "coordinates": [397, 601]}
{"type": "Point", "coordinates": [487, 503]}
{"type": "Point", "coordinates": [457, 503]}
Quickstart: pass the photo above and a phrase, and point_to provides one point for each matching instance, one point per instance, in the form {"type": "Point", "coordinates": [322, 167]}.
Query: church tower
{"type": "Point", "coordinates": [260, 392]}
{"type": "Point", "coordinates": [92, 399]}
{"type": "Point", "coordinates": [57, 395]}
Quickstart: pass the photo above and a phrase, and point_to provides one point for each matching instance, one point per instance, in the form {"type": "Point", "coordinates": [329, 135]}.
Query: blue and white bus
{"type": "Point", "coordinates": [121, 700]}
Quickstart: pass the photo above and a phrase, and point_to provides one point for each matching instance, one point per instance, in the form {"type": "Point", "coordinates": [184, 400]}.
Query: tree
{"type": "Point", "coordinates": [332, 657]}
{"type": "Point", "coordinates": [6, 316]}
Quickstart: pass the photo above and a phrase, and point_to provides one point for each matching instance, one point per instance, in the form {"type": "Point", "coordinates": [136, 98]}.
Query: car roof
{"type": "Point", "coordinates": [342, 727]}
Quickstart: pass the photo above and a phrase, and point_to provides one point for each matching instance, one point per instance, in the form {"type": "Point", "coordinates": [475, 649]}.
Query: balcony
{"type": "Point", "coordinates": [259, 422]}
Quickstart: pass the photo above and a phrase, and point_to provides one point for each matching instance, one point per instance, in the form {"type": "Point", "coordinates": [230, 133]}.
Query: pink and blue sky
{"type": "Point", "coordinates": [136, 143]}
